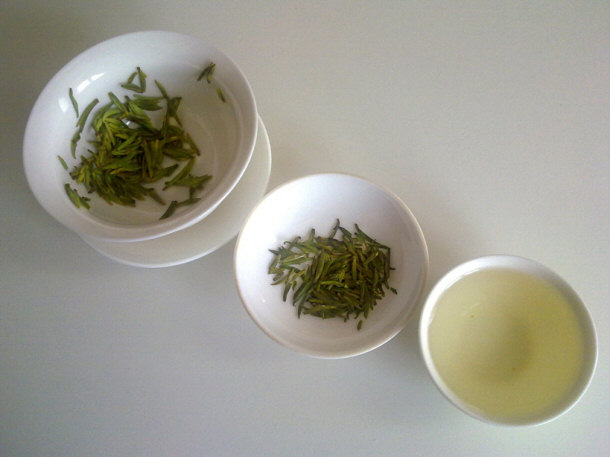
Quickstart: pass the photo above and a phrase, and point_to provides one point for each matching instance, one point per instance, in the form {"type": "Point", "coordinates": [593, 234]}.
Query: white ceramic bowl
{"type": "Point", "coordinates": [316, 201]}
{"type": "Point", "coordinates": [224, 132]}
{"type": "Point", "coordinates": [508, 341]}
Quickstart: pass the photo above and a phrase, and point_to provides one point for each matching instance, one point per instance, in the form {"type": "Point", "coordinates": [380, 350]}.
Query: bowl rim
{"type": "Point", "coordinates": [531, 267]}
{"type": "Point", "coordinates": [378, 342]}
{"type": "Point", "coordinates": [90, 225]}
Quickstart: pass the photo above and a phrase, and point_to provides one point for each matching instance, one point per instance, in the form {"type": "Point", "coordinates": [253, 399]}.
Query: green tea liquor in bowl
{"type": "Point", "coordinates": [508, 341]}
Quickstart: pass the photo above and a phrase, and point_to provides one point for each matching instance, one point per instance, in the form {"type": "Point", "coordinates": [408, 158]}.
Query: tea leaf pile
{"type": "Point", "coordinates": [332, 277]}
{"type": "Point", "coordinates": [129, 154]}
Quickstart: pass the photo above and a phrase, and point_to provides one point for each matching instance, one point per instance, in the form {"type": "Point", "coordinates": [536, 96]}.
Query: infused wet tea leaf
{"type": "Point", "coordinates": [129, 153]}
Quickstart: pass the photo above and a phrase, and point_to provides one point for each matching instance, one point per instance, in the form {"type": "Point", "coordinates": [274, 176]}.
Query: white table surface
{"type": "Point", "coordinates": [491, 120]}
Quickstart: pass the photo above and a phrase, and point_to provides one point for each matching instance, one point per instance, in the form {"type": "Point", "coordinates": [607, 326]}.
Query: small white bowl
{"type": "Point", "coordinates": [508, 341]}
{"type": "Point", "coordinates": [316, 201]}
{"type": "Point", "coordinates": [224, 132]}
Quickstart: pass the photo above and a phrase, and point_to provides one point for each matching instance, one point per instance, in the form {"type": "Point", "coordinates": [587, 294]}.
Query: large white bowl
{"type": "Point", "coordinates": [224, 132]}
{"type": "Point", "coordinates": [316, 201]}
{"type": "Point", "coordinates": [509, 355]}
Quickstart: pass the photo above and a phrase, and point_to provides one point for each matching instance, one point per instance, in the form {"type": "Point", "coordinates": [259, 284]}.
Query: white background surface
{"type": "Point", "coordinates": [489, 119]}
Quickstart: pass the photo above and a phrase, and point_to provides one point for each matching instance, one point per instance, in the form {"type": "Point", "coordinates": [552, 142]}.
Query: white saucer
{"type": "Point", "coordinates": [206, 236]}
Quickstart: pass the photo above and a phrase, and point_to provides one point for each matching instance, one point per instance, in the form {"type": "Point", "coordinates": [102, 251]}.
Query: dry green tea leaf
{"type": "Point", "coordinates": [332, 277]}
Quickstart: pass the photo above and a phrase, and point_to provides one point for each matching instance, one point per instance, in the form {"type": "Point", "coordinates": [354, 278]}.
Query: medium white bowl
{"type": "Point", "coordinates": [316, 201]}
{"type": "Point", "coordinates": [224, 132]}
{"type": "Point", "coordinates": [508, 341]}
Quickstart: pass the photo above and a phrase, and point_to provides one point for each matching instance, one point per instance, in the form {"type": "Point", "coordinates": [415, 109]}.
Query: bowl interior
{"type": "Point", "coordinates": [316, 202]}
{"type": "Point", "coordinates": [504, 364]}
{"type": "Point", "coordinates": [224, 132]}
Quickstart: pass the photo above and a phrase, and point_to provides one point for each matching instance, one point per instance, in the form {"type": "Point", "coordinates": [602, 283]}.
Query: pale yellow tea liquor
{"type": "Point", "coordinates": [507, 343]}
